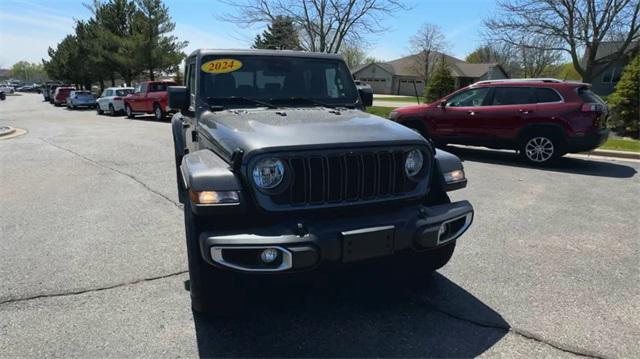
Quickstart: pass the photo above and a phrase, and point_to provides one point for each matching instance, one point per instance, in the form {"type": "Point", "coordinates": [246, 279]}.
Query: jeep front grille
{"type": "Point", "coordinates": [347, 176]}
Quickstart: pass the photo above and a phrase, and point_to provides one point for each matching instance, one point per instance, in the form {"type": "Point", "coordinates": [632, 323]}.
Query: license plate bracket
{"type": "Point", "coordinates": [367, 243]}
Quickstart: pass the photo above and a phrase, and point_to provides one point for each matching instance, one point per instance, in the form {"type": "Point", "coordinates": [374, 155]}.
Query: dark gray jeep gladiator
{"type": "Point", "coordinates": [282, 173]}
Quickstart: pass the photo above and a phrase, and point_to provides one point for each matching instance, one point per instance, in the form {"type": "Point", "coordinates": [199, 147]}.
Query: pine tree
{"type": "Point", "coordinates": [441, 84]}
{"type": "Point", "coordinates": [280, 35]}
{"type": "Point", "coordinates": [158, 51]}
{"type": "Point", "coordinates": [625, 101]}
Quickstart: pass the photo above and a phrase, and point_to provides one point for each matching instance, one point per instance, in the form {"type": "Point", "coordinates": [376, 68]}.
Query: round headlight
{"type": "Point", "coordinates": [413, 163]}
{"type": "Point", "coordinates": [268, 173]}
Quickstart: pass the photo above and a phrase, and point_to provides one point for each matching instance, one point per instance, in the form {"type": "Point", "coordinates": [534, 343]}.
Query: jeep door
{"type": "Point", "coordinates": [458, 120]}
{"type": "Point", "coordinates": [509, 108]}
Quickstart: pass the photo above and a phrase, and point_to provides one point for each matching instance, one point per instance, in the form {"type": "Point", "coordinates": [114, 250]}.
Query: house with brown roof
{"type": "Point", "coordinates": [405, 76]}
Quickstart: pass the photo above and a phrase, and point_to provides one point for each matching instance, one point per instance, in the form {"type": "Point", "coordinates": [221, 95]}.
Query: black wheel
{"type": "Point", "coordinates": [540, 148]}
{"type": "Point", "coordinates": [99, 110]}
{"type": "Point", "coordinates": [214, 292]}
{"type": "Point", "coordinates": [112, 111]}
{"type": "Point", "coordinates": [128, 111]}
{"type": "Point", "coordinates": [158, 114]}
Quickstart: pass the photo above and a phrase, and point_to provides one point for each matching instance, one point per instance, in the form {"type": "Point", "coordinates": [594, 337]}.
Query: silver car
{"type": "Point", "coordinates": [112, 100]}
{"type": "Point", "coordinates": [80, 98]}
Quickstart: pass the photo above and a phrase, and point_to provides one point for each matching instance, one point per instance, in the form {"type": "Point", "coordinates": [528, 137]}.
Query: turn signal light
{"type": "Point", "coordinates": [214, 197]}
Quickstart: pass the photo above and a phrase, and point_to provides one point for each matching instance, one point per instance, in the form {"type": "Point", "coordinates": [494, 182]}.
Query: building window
{"type": "Point", "coordinates": [611, 75]}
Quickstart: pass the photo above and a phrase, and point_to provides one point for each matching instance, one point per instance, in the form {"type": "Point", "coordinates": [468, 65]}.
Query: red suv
{"type": "Point", "coordinates": [541, 118]}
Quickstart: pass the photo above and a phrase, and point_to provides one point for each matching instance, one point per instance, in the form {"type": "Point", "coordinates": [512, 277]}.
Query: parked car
{"type": "Point", "coordinates": [7, 89]}
{"type": "Point", "coordinates": [112, 100]}
{"type": "Point", "coordinates": [283, 174]}
{"type": "Point", "coordinates": [81, 98]}
{"type": "Point", "coordinates": [61, 95]}
{"type": "Point", "coordinates": [543, 119]}
{"type": "Point", "coordinates": [48, 89]}
{"type": "Point", "coordinates": [149, 97]}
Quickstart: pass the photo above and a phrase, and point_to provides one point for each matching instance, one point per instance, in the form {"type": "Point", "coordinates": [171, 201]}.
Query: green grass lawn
{"type": "Point", "coordinates": [622, 144]}
{"type": "Point", "coordinates": [380, 111]}
{"type": "Point", "coordinates": [409, 99]}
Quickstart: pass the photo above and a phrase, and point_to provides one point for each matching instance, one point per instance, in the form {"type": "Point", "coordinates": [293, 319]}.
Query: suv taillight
{"type": "Point", "coordinates": [592, 107]}
{"type": "Point", "coordinates": [117, 99]}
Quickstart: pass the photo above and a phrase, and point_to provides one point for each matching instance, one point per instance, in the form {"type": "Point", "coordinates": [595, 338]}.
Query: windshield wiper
{"type": "Point", "coordinates": [312, 101]}
{"type": "Point", "coordinates": [242, 98]}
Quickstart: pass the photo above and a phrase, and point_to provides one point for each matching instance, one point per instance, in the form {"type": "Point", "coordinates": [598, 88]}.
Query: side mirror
{"type": "Point", "coordinates": [366, 95]}
{"type": "Point", "coordinates": [442, 104]}
{"type": "Point", "coordinates": [178, 97]}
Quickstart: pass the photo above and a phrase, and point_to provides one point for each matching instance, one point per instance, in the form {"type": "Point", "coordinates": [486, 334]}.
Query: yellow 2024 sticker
{"type": "Point", "coordinates": [221, 66]}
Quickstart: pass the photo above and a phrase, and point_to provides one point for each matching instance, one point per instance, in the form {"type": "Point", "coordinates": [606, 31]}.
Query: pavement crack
{"type": "Point", "coordinates": [101, 165]}
{"type": "Point", "coordinates": [522, 333]}
{"type": "Point", "coordinates": [92, 290]}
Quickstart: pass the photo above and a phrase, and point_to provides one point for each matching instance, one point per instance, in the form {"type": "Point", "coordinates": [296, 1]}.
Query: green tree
{"type": "Point", "coordinates": [27, 71]}
{"type": "Point", "coordinates": [441, 83]}
{"type": "Point", "coordinates": [157, 50]}
{"type": "Point", "coordinates": [279, 35]}
{"type": "Point", "coordinates": [625, 101]}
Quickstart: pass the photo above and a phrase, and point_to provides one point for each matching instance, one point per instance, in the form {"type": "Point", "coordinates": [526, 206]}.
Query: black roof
{"type": "Point", "coordinates": [255, 52]}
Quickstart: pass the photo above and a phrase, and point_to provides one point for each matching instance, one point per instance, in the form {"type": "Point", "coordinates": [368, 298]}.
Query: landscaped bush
{"type": "Point", "coordinates": [625, 101]}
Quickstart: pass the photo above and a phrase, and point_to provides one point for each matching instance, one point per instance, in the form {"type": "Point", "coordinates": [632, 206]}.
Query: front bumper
{"type": "Point", "coordinates": [303, 245]}
{"type": "Point", "coordinates": [588, 142]}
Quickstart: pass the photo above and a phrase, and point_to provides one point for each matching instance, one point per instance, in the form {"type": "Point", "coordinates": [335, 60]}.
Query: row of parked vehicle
{"type": "Point", "coordinates": [149, 97]}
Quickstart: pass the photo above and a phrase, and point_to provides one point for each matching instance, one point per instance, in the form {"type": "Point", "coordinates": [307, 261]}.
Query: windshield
{"type": "Point", "coordinates": [278, 80]}
{"type": "Point", "coordinates": [124, 92]}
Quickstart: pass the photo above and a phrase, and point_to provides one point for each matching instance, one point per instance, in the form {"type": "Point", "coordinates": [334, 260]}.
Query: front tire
{"type": "Point", "coordinates": [99, 110]}
{"type": "Point", "coordinates": [158, 114]}
{"type": "Point", "coordinates": [214, 292]}
{"type": "Point", "coordinates": [129, 112]}
{"type": "Point", "coordinates": [112, 110]}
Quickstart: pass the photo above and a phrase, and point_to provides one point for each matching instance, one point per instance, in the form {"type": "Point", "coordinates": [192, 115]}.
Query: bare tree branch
{"type": "Point", "coordinates": [324, 25]}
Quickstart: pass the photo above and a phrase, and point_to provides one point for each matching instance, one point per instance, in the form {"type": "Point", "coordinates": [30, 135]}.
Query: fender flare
{"type": "Point", "coordinates": [447, 162]}
{"type": "Point", "coordinates": [204, 170]}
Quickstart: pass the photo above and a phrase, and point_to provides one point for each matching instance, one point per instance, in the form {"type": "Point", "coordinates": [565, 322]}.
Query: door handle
{"type": "Point", "coordinates": [525, 111]}
{"type": "Point", "coordinates": [472, 113]}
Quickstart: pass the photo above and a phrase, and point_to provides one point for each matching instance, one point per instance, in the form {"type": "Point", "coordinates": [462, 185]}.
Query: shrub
{"type": "Point", "coordinates": [441, 83]}
{"type": "Point", "coordinates": [625, 101]}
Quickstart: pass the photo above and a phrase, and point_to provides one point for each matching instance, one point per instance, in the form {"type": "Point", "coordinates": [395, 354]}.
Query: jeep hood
{"type": "Point", "coordinates": [301, 128]}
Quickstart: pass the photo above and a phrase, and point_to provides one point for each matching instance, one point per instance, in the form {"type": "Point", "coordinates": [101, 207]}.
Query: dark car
{"type": "Point", "coordinates": [541, 118]}
{"type": "Point", "coordinates": [48, 89]}
{"type": "Point", "coordinates": [283, 174]}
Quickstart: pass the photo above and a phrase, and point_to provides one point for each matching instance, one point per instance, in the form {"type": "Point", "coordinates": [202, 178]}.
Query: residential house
{"type": "Point", "coordinates": [612, 65]}
{"type": "Point", "coordinates": [404, 76]}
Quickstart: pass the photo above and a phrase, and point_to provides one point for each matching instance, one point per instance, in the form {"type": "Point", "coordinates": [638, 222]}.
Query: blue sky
{"type": "Point", "coordinates": [29, 27]}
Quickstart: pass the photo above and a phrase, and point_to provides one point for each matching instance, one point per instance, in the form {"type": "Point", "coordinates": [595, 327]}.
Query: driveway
{"type": "Point", "coordinates": [93, 260]}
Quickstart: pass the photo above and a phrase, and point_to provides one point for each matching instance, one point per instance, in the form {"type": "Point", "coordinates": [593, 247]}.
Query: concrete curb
{"type": "Point", "coordinates": [6, 131]}
{"type": "Point", "coordinates": [615, 154]}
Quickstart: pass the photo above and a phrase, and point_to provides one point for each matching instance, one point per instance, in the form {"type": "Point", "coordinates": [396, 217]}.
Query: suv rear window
{"type": "Point", "coordinates": [512, 96]}
{"type": "Point", "coordinates": [160, 86]}
{"type": "Point", "coordinates": [547, 95]}
{"type": "Point", "coordinates": [587, 95]}
{"type": "Point", "coordinates": [123, 92]}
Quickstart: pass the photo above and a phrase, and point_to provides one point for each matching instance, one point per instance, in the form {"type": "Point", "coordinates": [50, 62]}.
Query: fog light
{"type": "Point", "coordinates": [269, 255]}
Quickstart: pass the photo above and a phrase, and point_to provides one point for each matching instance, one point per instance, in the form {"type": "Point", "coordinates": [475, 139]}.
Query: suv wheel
{"type": "Point", "coordinates": [158, 113]}
{"type": "Point", "coordinates": [214, 292]}
{"type": "Point", "coordinates": [99, 110]}
{"type": "Point", "coordinates": [112, 111]}
{"type": "Point", "coordinates": [127, 109]}
{"type": "Point", "coordinates": [539, 149]}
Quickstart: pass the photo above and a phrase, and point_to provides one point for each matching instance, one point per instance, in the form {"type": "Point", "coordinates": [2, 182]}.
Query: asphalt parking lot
{"type": "Point", "coordinates": [93, 259]}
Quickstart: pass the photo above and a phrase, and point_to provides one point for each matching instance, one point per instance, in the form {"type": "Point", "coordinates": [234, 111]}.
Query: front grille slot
{"type": "Point", "coordinates": [344, 177]}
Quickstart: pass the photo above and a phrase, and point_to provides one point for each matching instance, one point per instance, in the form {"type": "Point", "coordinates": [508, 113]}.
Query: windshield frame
{"type": "Point", "coordinates": [204, 97]}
